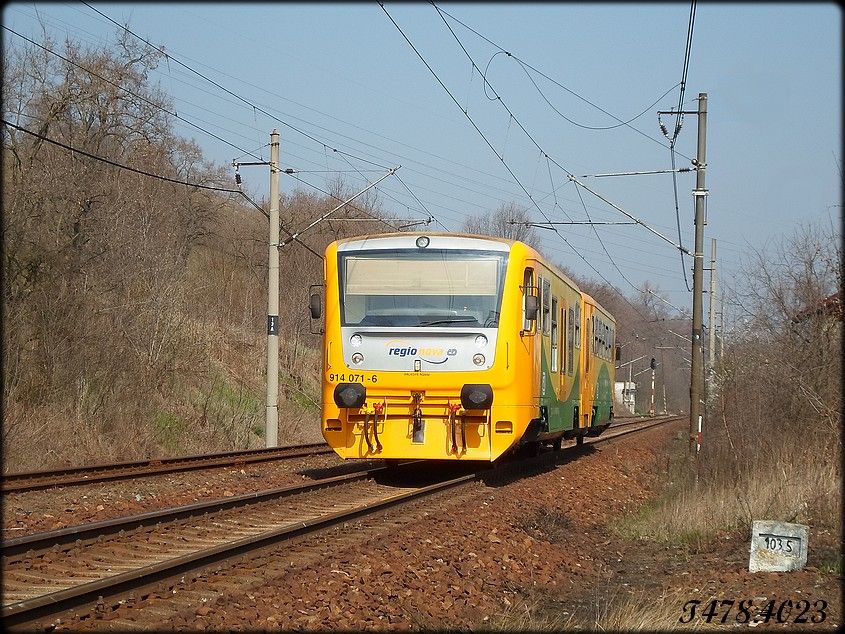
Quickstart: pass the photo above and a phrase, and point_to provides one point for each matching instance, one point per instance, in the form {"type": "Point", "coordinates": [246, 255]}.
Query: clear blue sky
{"type": "Point", "coordinates": [344, 74]}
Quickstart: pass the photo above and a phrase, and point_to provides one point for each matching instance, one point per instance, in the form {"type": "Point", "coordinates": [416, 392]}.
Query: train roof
{"type": "Point", "coordinates": [414, 234]}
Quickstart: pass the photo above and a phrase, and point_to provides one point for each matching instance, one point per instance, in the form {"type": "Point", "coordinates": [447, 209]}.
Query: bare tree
{"type": "Point", "coordinates": [509, 221]}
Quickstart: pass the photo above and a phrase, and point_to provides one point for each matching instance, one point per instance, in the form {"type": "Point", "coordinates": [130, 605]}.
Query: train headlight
{"type": "Point", "coordinates": [357, 358]}
{"type": "Point", "coordinates": [349, 395]}
{"type": "Point", "coordinates": [477, 396]}
{"type": "Point", "coordinates": [480, 341]}
{"type": "Point", "coordinates": [356, 340]}
{"type": "Point", "coordinates": [478, 359]}
{"type": "Point", "coordinates": [422, 242]}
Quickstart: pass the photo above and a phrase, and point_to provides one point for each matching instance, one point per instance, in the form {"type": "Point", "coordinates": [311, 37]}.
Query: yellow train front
{"type": "Point", "coordinates": [443, 346]}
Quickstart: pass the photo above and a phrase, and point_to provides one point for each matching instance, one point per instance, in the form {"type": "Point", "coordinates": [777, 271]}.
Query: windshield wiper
{"type": "Point", "coordinates": [450, 320]}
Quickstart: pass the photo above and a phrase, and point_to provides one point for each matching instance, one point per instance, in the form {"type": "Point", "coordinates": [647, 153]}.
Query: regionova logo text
{"type": "Point", "coordinates": [431, 354]}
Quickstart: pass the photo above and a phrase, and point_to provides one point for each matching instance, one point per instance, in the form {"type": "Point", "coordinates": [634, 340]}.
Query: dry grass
{"type": "Point", "coordinates": [614, 611]}
{"type": "Point", "coordinates": [801, 487]}
{"type": "Point", "coordinates": [639, 612]}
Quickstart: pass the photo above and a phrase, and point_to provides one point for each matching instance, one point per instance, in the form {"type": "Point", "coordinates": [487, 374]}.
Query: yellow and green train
{"type": "Point", "coordinates": [444, 346]}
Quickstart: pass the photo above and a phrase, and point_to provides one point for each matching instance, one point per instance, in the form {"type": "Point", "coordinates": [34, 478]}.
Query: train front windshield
{"type": "Point", "coordinates": [439, 288]}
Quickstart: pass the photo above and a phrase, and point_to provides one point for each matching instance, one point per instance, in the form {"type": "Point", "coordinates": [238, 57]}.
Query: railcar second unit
{"type": "Point", "coordinates": [444, 346]}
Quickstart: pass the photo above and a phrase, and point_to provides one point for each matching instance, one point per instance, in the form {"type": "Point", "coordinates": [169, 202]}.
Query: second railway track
{"type": "Point", "coordinates": [74, 476]}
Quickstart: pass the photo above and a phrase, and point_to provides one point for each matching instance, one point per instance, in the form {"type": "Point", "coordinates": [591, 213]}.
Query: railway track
{"type": "Point", "coordinates": [74, 476]}
{"type": "Point", "coordinates": [47, 573]}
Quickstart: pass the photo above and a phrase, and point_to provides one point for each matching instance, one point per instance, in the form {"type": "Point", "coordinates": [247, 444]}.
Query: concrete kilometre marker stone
{"type": "Point", "coordinates": [778, 546]}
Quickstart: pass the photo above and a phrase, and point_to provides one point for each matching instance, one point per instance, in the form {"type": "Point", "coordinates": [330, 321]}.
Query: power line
{"type": "Point", "coordinates": [129, 92]}
{"type": "Point", "coordinates": [427, 175]}
{"type": "Point", "coordinates": [151, 175]}
{"type": "Point", "coordinates": [223, 88]}
{"type": "Point", "coordinates": [119, 165]}
{"type": "Point", "coordinates": [251, 104]}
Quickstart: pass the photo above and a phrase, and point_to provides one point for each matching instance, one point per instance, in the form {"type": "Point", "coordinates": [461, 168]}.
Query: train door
{"type": "Point", "coordinates": [589, 365]}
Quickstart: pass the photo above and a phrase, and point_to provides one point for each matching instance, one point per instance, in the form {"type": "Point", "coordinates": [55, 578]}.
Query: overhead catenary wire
{"type": "Point", "coordinates": [236, 96]}
{"type": "Point", "coordinates": [519, 123]}
{"type": "Point", "coordinates": [486, 140]}
{"type": "Point", "coordinates": [557, 232]}
{"type": "Point", "coordinates": [173, 114]}
{"type": "Point", "coordinates": [354, 207]}
{"type": "Point", "coordinates": [544, 75]}
{"type": "Point", "coordinates": [325, 146]}
{"type": "Point", "coordinates": [404, 159]}
{"type": "Point", "coordinates": [677, 129]}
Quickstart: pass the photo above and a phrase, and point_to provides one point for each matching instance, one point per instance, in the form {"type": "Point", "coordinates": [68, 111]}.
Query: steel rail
{"type": "Point", "coordinates": [73, 476]}
{"type": "Point", "coordinates": [38, 607]}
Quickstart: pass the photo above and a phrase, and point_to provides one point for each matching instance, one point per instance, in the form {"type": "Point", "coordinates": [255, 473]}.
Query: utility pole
{"type": "Point", "coordinates": [271, 425]}
{"type": "Point", "coordinates": [653, 366]}
{"type": "Point", "coordinates": [722, 330]}
{"type": "Point", "coordinates": [698, 273]}
{"type": "Point", "coordinates": [699, 193]}
{"type": "Point", "coordinates": [711, 339]}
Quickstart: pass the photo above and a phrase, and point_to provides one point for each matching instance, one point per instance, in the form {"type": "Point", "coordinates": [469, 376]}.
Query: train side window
{"type": "Point", "coordinates": [601, 340]}
{"type": "Point", "coordinates": [554, 334]}
{"type": "Point", "coordinates": [578, 325]}
{"type": "Point", "coordinates": [527, 289]}
{"type": "Point", "coordinates": [547, 287]}
{"type": "Point", "coordinates": [571, 334]}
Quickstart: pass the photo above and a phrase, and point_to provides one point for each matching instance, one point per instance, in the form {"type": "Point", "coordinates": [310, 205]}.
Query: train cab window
{"type": "Point", "coordinates": [571, 342]}
{"type": "Point", "coordinates": [546, 298]}
{"type": "Point", "coordinates": [554, 334]}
